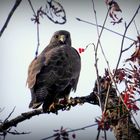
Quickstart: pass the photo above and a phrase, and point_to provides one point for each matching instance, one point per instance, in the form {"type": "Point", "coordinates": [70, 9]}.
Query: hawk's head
{"type": "Point", "coordinates": [61, 37]}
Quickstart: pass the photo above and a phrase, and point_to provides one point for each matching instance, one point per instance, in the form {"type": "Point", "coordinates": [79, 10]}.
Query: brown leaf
{"type": "Point", "coordinates": [135, 56]}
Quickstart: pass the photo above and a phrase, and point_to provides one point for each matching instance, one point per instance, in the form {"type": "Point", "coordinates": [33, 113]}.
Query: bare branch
{"type": "Point", "coordinates": [73, 130]}
{"type": "Point", "coordinates": [24, 116]}
{"type": "Point", "coordinates": [37, 26]}
{"type": "Point", "coordinates": [9, 115]}
{"type": "Point", "coordinates": [124, 37]}
{"type": "Point", "coordinates": [96, 59]}
{"type": "Point", "coordinates": [32, 7]}
{"type": "Point", "coordinates": [96, 50]}
{"type": "Point", "coordinates": [17, 2]}
{"type": "Point", "coordinates": [100, 26]}
{"type": "Point", "coordinates": [92, 99]}
{"type": "Point", "coordinates": [136, 28]}
{"type": "Point", "coordinates": [128, 47]}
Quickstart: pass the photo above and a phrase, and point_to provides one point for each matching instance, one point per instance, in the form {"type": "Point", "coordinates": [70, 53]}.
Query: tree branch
{"type": "Point", "coordinates": [17, 2]}
{"type": "Point", "coordinates": [24, 116]}
{"type": "Point", "coordinates": [124, 37]}
{"type": "Point", "coordinates": [100, 26]}
{"type": "Point", "coordinates": [72, 130]}
{"type": "Point", "coordinates": [92, 99]}
{"type": "Point", "coordinates": [36, 20]}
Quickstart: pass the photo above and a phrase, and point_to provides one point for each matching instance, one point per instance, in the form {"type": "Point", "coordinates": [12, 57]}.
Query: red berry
{"type": "Point", "coordinates": [82, 49]}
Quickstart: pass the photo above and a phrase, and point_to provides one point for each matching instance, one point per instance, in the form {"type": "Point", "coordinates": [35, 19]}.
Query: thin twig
{"type": "Point", "coordinates": [96, 49]}
{"type": "Point", "coordinates": [17, 2]}
{"type": "Point", "coordinates": [107, 95]}
{"type": "Point", "coordinates": [32, 7]}
{"type": "Point", "coordinates": [136, 28]}
{"type": "Point", "coordinates": [9, 115]}
{"type": "Point", "coordinates": [128, 47]}
{"type": "Point", "coordinates": [98, 134]}
{"type": "Point", "coordinates": [106, 99]}
{"type": "Point", "coordinates": [105, 28]}
{"type": "Point", "coordinates": [37, 28]}
{"type": "Point", "coordinates": [105, 136]}
{"type": "Point", "coordinates": [38, 41]}
{"type": "Point", "coordinates": [73, 130]}
{"type": "Point", "coordinates": [124, 38]}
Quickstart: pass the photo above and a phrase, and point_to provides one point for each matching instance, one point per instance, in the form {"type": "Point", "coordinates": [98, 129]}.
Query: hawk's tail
{"type": "Point", "coordinates": [34, 105]}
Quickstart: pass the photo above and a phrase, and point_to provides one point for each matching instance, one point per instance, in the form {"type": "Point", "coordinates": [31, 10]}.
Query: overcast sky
{"type": "Point", "coordinates": [17, 49]}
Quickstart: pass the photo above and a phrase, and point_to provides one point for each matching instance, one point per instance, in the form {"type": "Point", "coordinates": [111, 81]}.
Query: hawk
{"type": "Point", "coordinates": [54, 73]}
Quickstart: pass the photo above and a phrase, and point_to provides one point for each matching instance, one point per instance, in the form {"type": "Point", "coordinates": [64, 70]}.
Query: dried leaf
{"type": "Point", "coordinates": [113, 8]}
{"type": "Point", "coordinates": [55, 12]}
{"type": "Point", "coordinates": [136, 55]}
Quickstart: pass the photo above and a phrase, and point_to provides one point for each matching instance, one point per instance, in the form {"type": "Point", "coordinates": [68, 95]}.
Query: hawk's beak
{"type": "Point", "coordinates": [62, 38]}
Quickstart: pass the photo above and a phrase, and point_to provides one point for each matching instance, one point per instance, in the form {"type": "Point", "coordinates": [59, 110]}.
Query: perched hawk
{"type": "Point", "coordinates": [55, 72]}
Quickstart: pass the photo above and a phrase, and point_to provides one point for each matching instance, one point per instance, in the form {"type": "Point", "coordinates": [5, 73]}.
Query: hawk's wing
{"type": "Point", "coordinates": [36, 66]}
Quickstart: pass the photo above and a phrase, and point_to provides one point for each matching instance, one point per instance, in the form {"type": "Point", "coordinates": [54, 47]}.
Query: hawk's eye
{"type": "Point", "coordinates": [56, 36]}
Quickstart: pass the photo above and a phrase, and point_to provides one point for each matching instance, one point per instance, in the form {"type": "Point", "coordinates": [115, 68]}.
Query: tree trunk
{"type": "Point", "coordinates": [115, 114]}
